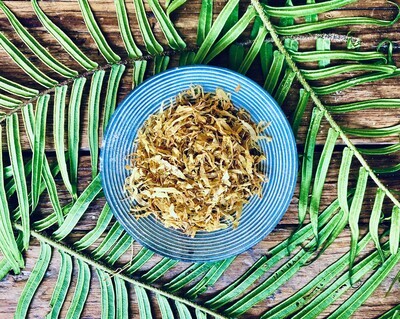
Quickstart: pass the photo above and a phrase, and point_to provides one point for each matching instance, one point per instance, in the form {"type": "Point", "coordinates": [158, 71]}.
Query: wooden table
{"type": "Point", "coordinates": [66, 14]}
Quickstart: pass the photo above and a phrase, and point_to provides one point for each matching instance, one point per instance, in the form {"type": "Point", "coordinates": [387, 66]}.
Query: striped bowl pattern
{"type": "Point", "coordinates": [259, 217]}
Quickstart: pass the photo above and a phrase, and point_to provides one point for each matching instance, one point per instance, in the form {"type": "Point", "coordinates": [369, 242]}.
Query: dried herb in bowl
{"type": "Point", "coordinates": [196, 163]}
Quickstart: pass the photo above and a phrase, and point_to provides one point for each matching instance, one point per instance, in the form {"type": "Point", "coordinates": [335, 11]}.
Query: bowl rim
{"type": "Point", "coordinates": [141, 87]}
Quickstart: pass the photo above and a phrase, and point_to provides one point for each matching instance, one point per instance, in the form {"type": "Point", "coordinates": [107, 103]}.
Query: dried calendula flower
{"type": "Point", "coordinates": [196, 163]}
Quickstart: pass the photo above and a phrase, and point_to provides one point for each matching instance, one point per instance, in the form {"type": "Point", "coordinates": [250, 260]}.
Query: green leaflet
{"type": "Point", "coordinates": [375, 220]}
{"type": "Point", "coordinates": [205, 20]}
{"type": "Point", "coordinates": [343, 179]}
{"type": "Point", "coordinates": [394, 236]}
{"type": "Point", "coordinates": [165, 307]}
{"type": "Point", "coordinates": [319, 181]}
{"type": "Point", "coordinates": [81, 291]}
{"type": "Point", "coordinates": [232, 20]}
{"type": "Point", "coordinates": [236, 55]}
{"type": "Point", "coordinates": [282, 275]}
{"type": "Point", "coordinates": [167, 27]}
{"type": "Point", "coordinates": [63, 39]}
{"type": "Point", "coordinates": [313, 288]}
{"type": "Point", "coordinates": [17, 89]}
{"type": "Point", "coordinates": [17, 165]}
{"type": "Point", "coordinates": [139, 70]}
{"type": "Point", "coordinates": [387, 170]}
{"type": "Point", "coordinates": [8, 244]}
{"type": "Point", "coordinates": [152, 46]}
{"type": "Point", "coordinates": [124, 243]}
{"type": "Point", "coordinates": [111, 238]}
{"type": "Point", "coordinates": [274, 72]}
{"type": "Point", "coordinates": [186, 58]}
{"type": "Point", "coordinates": [143, 303]}
{"type": "Point", "coordinates": [385, 150]}
{"type": "Point", "coordinates": [345, 84]}
{"type": "Point", "coordinates": [107, 295]}
{"type": "Point", "coordinates": [121, 298]}
{"type": "Point", "coordinates": [266, 57]}
{"type": "Point", "coordinates": [200, 314]}
{"type": "Point", "coordinates": [265, 264]}
{"type": "Point", "coordinates": [323, 44]}
{"type": "Point", "coordinates": [305, 10]}
{"type": "Point", "coordinates": [215, 30]}
{"type": "Point", "coordinates": [331, 23]}
{"type": "Point", "coordinates": [73, 130]}
{"type": "Point", "coordinates": [307, 165]}
{"type": "Point", "coordinates": [337, 288]}
{"type": "Point", "coordinates": [39, 136]}
{"type": "Point", "coordinates": [174, 5]}
{"type": "Point", "coordinates": [9, 102]}
{"type": "Point", "coordinates": [337, 55]}
{"type": "Point", "coordinates": [313, 17]}
{"type": "Point", "coordinates": [183, 311]}
{"type": "Point", "coordinates": [158, 270]}
{"type": "Point", "coordinates": [284, 87]}
{"type": "Point", "coordinates": [94, 118]}
{"type": "Point", "coordinates": [347, 308]}
{"type": "Point", "coordinates": [123, 23]}
{"type": "Point", "coordinates": [253, 51]}
{"type": "Point", "coordinates": [299, 111]}
{"type": "Point", "coordinates": [391, 314]}
{"type": "Point", "coordinates": [34, 281]}
{"type": "Point", "coordinates": [96, 33]}
{"type": "Point", "coordinates": [185, 277]}
{"type": "Point", "coordinates": [229, 37]}
{"type": "Point", "coordinates": [354, 215]}
{"type": "Point", "coordinates": [373, 132]}
{"type": "Point", "coordinates": [61, 287]}
{"type": "Point", "coordinates": [346, 68]}
{"type": "Point", "coordinates": [60, 95]}
{"type": "Point", "coordinates": [139, 260]}
{"type": "Point", "coordinates": [35, 46]}
{"type": "Point", "coordinates": [210, 278]}
{"type": "Point", "coordinates": [160, 63]}
{"type": "Point", "coordinates": [117, 70]}
{"type": "Point", "coordinates": [101, 225]}
{"type": "Point", "coordinates": [51, 219]}
{"type": "Point", "coordinates": [25, 65]}
{"type": "Point", "coordinates": [5, 268]}
{"type": "Point", "coordinates": [78, 209]}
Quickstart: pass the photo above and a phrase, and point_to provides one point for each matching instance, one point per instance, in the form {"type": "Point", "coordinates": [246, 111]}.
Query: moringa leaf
{"type": "Point", "coordinates": [111, 238]}
{"type": "Point", "coordinates": [165, 307]}
{"type": "Point", "coordinates": [143, 303]}
{"type": "Point", "coordinates": [299, 111]}
{"type": "Point", "coordinates": [159, 270]}
{"type": "Point", "coordinates": [274, 72]}
{"type": "Point", "coordinates": [17, 89]}
{"type": "Point", "coordinates": [124, 243]}
{"type": "Point", "coordinates": [253, 51]}
{"type": "Point", "coordinates": [139, 260]}
{"type": "Point", "coordinates": [343, 179]}
{"type": "Point", "coordinates": [236, 55]}
{"type": "Point", "coordinates": [139, 71]}
{"type": "Point", "coordinates": [185, 277]}
{"type": "Point", "coordinates": [183, 311]}
{"type": "Point", "coordinates": [174, 5]}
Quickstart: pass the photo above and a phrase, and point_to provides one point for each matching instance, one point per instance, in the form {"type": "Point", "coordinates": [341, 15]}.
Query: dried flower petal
{"type": "Point", "coordinates": [196, 163]}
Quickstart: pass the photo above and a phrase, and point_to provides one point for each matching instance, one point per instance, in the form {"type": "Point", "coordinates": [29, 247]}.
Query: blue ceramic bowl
{"type": "Point", "coordinates": [259, 217]}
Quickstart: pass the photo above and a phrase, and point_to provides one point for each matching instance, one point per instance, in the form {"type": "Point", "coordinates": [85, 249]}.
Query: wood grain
{"type": "Point", "coordinates": [66, 13]}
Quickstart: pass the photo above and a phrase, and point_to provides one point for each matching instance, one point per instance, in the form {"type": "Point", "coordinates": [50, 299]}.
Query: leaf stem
{"type": "Point", "coordinates": [114, 273]}
{"type": "Point", "coordinates": [269, 26]}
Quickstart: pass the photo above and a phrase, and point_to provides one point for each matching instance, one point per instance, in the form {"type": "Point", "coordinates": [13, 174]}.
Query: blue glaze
{"type": "Point", "coordinates": [259, 217]}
